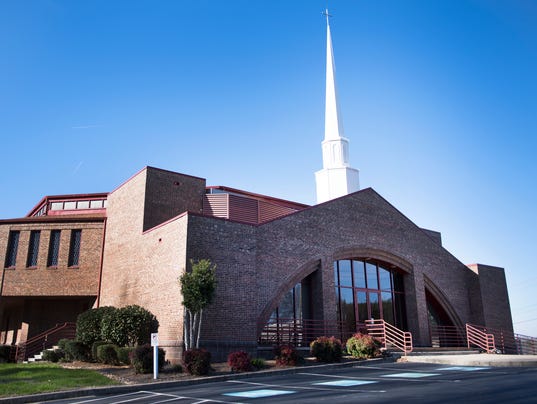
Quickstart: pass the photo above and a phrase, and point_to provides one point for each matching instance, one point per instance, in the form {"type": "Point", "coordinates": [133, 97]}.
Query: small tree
{"type": "Point", "coordinates": [198, 287]}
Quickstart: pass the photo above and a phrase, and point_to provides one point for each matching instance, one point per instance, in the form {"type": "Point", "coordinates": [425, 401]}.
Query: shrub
{"type": "Point", "coordinates": [258, 363]}
{"type": "Point", "coordinates": [128, 326]}
{"type": "Point", "coordinates": [5, 353]}
{"type": "Point", "coordinates": [327, 349]}
{"type": "Point", "coordinates": [197, 361]}
{"type": "Point", "coordinates": [362, 346]}
{"type": "Point", "coordinates": [75, 350]}
{"type": "Point", "coordinates": [239, 361]}
{"type": "Point", "coordinates": [286, 355]}
{"type": "Point", "coordinates": [94, 348]}
{"type": "Point", "coordinates": [88, 324]}
{"type": "Point", "coordinates": [53, 355]}
{"type": "Point", "coordinates": [142, 358]}
{"type": "Point", "coordinates": [124, 354]}
{"type": "Point", "coordinates": [107, 353]}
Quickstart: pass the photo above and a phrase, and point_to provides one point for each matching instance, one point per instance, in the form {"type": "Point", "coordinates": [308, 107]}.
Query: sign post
{"type": "Point", "coordinates": [154, 344]}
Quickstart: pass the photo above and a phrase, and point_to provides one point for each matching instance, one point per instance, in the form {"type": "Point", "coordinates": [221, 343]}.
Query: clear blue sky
{"type": "Point", "coordinates": [438, 99]}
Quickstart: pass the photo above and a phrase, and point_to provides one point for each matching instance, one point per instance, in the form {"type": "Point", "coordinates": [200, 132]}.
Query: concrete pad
{"type": "Point", "coordinates": [475, 360]}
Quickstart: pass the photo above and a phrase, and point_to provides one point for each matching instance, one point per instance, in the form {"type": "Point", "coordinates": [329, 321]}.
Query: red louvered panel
{"type": "Point", "coordinates": [269, 211]}
{"type": "Point", "coordinates": [216, 205]}
{"type": "Point", "coordinates": [243, 209]}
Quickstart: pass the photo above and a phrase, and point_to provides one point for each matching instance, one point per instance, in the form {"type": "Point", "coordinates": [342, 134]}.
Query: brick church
{"type": "Point", "coordinates": [285, 271]}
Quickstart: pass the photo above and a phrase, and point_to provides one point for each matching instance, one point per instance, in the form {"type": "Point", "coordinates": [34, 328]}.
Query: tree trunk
{"type": "Point", "coordinates": [186, 323]}
{"type": "Point", "coordinates": [199, 329]}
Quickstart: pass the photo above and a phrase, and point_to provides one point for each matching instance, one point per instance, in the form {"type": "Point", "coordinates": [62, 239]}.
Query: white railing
{"type": "Point", "coordinates": [389, 335]}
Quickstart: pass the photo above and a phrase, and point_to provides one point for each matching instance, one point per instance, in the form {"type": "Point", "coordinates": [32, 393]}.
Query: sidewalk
{"type": "Point", "coordinates": [475, 360]}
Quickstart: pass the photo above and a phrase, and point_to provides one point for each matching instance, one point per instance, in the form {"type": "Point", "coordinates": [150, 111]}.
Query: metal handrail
{"type": "Point", "coordinates": [480, 338]}
{"type": "Point", "coordinates": [45, 340]}
{"type": "Point", "coordinates": [390, 335]}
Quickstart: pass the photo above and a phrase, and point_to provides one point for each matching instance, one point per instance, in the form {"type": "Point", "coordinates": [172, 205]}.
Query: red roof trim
{"type": "Point", "coordinates": [76, 197]}
{"type": "Point", "coordinates": [266, 198]}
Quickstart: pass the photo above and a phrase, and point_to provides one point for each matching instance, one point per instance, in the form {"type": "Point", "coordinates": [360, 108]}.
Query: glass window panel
{"type": "Point", "coordinates": [56, 206]}
{"type": "Point", "coordinates": [96, 204]}
{"type": "Point", "coordinates": [74, 248]}
{"type": "Point", "coordinates": [33, 249]}
{"type": "Point", "coordinates": [398, 285]}
{"type": "Point", "coordinates": [385, 279]}
{"type": "Point", "coordinates": [359, 274]}
{"type": "Point", "coordinates": [53, 248]}
{"type": "Point", "coordinates": [12, 247]}
{"type": "Point", "coordinates": [336, 281]}
{"type": "Point", "coordinates": [345, 276]}
{"type": "Point", "coordinates": [69, 205]}
{"type": "Point", "coordinates": [347, 308]}
{"type": "Point", "coordinates": [387, 307]}
{"type": "Point", "coordinates": [286, 308]}
{"type": "Point", "coordinates": [374, 304]}
{"type": "Point", "coordinates": [361, 298]}
{"type": "Point", "coordinates": [371, 270]}
{"type": "Point", "coordinates": [338, 304]}
{"type": "Point", "coordinates": [105, 203]}
{"type": "Point", "coordinates": [82, 205]}
{"type": "Point", "coordinates": [298, 301]}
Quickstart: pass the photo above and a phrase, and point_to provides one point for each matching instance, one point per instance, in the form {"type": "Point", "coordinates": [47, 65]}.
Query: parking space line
{"type": "Point", "coordinates": [464, 368]}
{"type": "Point", "coordinates": [411, 375]}
{"type": "Point", "coordinates": [284, 386]}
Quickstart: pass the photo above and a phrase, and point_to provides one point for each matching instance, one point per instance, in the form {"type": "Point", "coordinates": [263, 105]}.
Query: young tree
{"type": "Point", "coordinates": [198, 287]}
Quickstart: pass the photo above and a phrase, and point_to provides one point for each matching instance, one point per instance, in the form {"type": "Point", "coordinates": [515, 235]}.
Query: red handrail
{"type": "Point", "coordinates": [480, 338]}
{"type": "Point", "coordinates": [389, 335]}
{"type": "Point", "coordinates": [45, 340]}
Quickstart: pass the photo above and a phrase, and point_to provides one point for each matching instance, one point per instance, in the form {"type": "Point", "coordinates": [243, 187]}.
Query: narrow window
{"type": "Point", "coordinates": [53, 248]}
{"type": "Point", "coordinates": [12, 247]}
{"type": "Point", "coordinates": [74, 248]}
{"type": "Point", "coordinates": [33, 249]}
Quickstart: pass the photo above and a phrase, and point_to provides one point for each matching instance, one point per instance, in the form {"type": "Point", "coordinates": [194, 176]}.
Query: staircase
{"type": "Point", "coordinates": [46, 340]}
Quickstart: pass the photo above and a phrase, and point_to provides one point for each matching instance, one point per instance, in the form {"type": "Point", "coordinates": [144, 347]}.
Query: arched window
{"type": "Point", "coordinates": [368, 289]}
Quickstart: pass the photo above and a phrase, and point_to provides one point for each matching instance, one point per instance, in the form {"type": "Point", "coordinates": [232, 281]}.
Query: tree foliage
{"type": "Point", "coordinates": [198, 288]}
{"type": "Point", "coordinates": [128, 326]}
{"type": "Point", "coordinates": [88, 324]}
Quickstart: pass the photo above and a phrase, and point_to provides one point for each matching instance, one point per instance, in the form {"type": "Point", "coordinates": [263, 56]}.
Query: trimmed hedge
{"type": "Point", "coordinates": [142, 358]}
{"type": "Point", "coordinates": [107, 353]}
{"type": "Point", "coordinates": [286, 355]}
{"type": "Point", "coordinates": [75, 350]}
{"type": "Point", "coordinates": [128, 326]}
{"type": "Point", "coordinates": [5, 353]}
{"type": "Point", "coordinates": [124, 354]}
{"type": "Point", "coordinates": [197, 361]}
{"type": "Point", "coordinates": [53, 355]}
{"type": "Point", "coordinates": [362, 346]}
{"type": "Point", "coordinates": [327, 349]}
{"type": "Point", "coordinates": [88, 324]}
{"type": "Point", "coordinates": [239, 361]}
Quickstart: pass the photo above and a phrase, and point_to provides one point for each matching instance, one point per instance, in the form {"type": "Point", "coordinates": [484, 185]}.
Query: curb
{"type": "Point", "coordinates": [101, 391]}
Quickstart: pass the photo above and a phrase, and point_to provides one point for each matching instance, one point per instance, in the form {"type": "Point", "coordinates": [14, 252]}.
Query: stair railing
{"type": "Point", "coordinates": [45, 340]}
{"type": "Point", "coordinates": [479, 338]}
{"type": "Point", "coordinates": [390, 336]}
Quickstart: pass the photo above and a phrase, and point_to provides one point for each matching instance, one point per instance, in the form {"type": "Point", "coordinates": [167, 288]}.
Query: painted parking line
{"type": "Point", "coordinates": [464, 368]}
{"type": "Point", "coordinates": [411, 375]}
{"type": "Point", "coordinates": [297, 387]}
{"type": "Point", "coordinates": [344, 383]}
{"type": "Point", "coordinates": [261, 393]}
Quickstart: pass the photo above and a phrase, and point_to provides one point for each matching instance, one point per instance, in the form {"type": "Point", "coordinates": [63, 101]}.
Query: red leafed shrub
{"type": "Point", "coordinates": [362, 346]}
{"type": "Point", "coordinates": [286, 355]}
{"type": "Point", "coordinates": [327, 349]}
{"type": "Point", "coordinates": [197, 361]}
{"type": "Point", "coordinates": [239, 361]}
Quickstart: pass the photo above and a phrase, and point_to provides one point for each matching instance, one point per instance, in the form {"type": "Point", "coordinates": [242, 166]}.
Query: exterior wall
{"type": "Point", "coordinates": [143, 267]}
{"type": "Point", "coordinates": [493, 297]}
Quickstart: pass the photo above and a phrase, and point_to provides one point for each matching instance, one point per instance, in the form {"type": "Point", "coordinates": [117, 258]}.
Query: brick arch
{"type": "Point", "coordinates": [293, 278]}
{"type": "Point", "coordinates": [373, 253]}
{"type": "Point", "coordinates": [442, 300]}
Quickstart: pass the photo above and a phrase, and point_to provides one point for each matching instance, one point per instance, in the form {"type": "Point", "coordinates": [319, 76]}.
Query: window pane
{"type": "Point", "coordinates": [347, 308]}
{"type": "Point", "coordinates": [336, 281]}
{"type": "Point", "coordinates": [286, 307]}
{"type": "Point", "coordinates": [385, 279]}
{"type": "Point", "coordinates": [359, 274]}
{"type": "Point", "coordinates": [371, 270]}
{"type": "Point", "coordinates": [387, 307]}
{"type": "Point", "coordinates": [53, 248]}
{"type": "Point", "coordinates": [398, 282]}
{"type": "Point", "coordinates": [374, 303]}
{"type": "Point", "coordinates": [69, 205]}
{"type": "Point", "coordinates": [345, 277]}
{"type": "Point", "coordinates": [74, 248]}
{"type": "Point", "coordinates": [82, 205]}
{"type": "Point", "coordinates": [56, 206]}
{"type": "Point", "coordinates": [362, 306]}
{"type": "Point", "coordinates": [298, 301]}
{"type": "Point", "coordinates": [12, 247]}
{"type": "Point", "coordinates": [96, 204]}
{"type": "Point", "coordinates": [33, 249]}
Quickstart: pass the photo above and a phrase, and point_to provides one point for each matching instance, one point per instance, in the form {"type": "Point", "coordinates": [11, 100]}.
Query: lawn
{"type": "Point", "coordinates": [21, 379]}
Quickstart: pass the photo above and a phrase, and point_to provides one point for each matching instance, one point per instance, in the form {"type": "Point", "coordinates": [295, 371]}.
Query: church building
{"type": "Point", "coordinates": [286, 272]}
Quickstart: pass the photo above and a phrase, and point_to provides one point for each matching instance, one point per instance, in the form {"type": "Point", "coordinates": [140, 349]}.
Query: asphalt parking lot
{"type": "Point", "coordinates": [379, 383]}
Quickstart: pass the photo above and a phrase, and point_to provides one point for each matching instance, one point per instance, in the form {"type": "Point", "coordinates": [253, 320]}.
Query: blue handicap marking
{"type": "Point", "coordinates": [412, 375]}
{"type": "Point", "coordinates": [464, 368]}
{"type": "Point", "coordinates": [344, 383]}
{"type": "Point", "coordinates": [259, 393]}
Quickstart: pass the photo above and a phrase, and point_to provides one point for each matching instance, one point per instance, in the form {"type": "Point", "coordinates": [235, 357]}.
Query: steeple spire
{"type": "Point", "coordinates": [336, 178]}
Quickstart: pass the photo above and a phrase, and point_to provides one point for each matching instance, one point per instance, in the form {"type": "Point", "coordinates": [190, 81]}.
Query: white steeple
{"type": "Point", "coordinates": [336, 178]}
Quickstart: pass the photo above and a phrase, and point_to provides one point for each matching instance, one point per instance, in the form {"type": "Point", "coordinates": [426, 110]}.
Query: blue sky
{"type": "Point", "coordinates": [438, 99]}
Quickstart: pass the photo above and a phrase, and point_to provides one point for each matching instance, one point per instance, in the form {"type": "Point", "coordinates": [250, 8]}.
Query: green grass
{"type": "Point", "coordinates": [21, 379]}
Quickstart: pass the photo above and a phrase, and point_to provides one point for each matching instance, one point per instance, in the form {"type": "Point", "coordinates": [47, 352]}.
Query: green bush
{"type": "Point", "coordinates": [142, 358]}
{"type": "Point", "coordinates": [286, 355]}
{"type": "Point", "coordinates": [239, 361]}
{"type": "Point", "coordinates": [94, 347]}
{"type": "Point", "coordinates": [362, 346]}
{"type": "Point", "coordinates": [5, 353]}
{"type": "Point", "coordinates": [327, 349]}
{"type": "Point", "coordinates": [128, 326]}
{"type": "Point", "coordinates": [88, 324]}
{"type": "Point", "coordinates": [197, 361]}
{"type": "Point", "coordinates": [107, 354]}
{"type": "Point", "coordinates": [124, 354]}
{"type": "Point", "coordinates": [53, 355]}
{"type": "Point", "coordinates": [258, 363]}
{"type": "Point", "coordinates": [75, 350]}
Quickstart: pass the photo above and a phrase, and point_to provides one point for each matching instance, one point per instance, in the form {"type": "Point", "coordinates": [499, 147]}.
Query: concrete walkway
{"type": "Point", "coordinates": [475, 360]}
